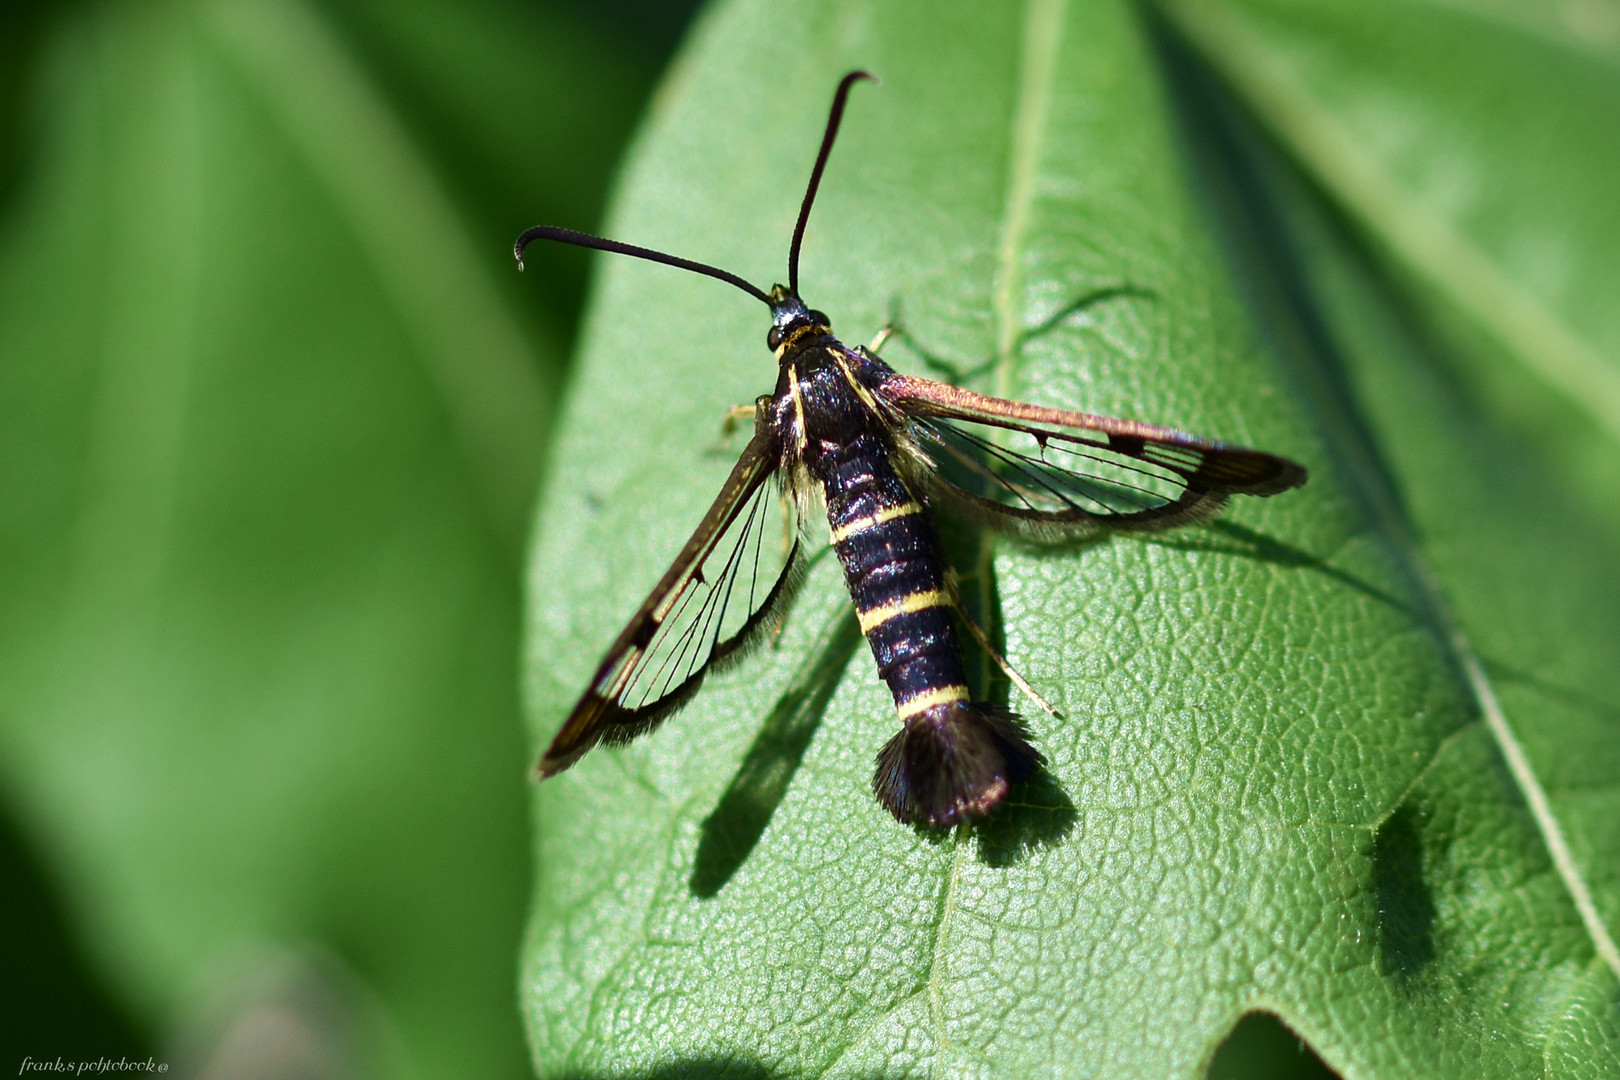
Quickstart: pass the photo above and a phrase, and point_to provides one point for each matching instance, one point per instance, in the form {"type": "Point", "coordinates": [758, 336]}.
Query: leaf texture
{"type": "Point", "coordinates": [1278, 787]}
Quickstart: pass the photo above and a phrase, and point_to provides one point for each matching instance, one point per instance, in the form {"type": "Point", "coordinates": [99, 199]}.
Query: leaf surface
{"type": "Point", "coordinates": [1276, 788]}
{"type": "Point", "coordinates": [1504, 487]}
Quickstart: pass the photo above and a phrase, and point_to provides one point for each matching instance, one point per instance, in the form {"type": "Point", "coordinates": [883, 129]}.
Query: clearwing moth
{"type": "Point", "coordinates": [877, 445]}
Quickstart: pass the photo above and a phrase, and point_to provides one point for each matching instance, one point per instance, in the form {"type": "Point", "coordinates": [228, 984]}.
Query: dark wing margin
{"type": "Point", "coordinates": [1053, 474]}
{"type": "Point", "coordinates": [704, 614]}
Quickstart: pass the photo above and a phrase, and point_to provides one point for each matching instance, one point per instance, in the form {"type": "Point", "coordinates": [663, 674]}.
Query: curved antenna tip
{"type": "Point", "coordinates": [840, 97]}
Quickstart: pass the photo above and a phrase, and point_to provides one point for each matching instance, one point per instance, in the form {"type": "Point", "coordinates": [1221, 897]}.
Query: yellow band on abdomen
{"type": "Point", "coordinates": [860, 525]}
{"type": "Point", "coordinates": [938, 696]}
{"type": "Point", "coordinates": [917, 601]}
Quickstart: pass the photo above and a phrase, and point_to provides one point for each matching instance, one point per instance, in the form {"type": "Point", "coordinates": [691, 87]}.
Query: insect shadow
{"type": "Point", "coordinates": [1038, 813]}
{"type": "Point", "coordinates": [961, 372]}
{"type": "Point", "coordinates": [1253, 544]}
{"type": "Point", "coordinates": [739, 819]}
{"type": "Point", "coordinates": [1406, 910]}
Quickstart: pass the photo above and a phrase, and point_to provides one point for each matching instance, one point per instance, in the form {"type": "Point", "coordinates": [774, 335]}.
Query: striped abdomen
{"type": "Point", "coordinates": [953, 759]}
{"type": "Point", "coordinates": [895, 573]}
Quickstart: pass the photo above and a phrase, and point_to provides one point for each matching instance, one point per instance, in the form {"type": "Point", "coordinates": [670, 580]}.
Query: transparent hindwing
{"type": "Point", "coordinates": [726, 592]}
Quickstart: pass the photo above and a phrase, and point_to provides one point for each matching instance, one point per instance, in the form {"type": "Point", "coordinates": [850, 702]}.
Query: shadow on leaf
{"type": "Point", "coordinates": [1252, 544]}
{"type": "Point", "coordinates": [717, 1068]}
{"type": "Point", "coordinates": [739, 819]}
{"type": "Point", "coordinates": [1405, 907]}
{"type": "Point", "coordinates": [1037, 814]}
{"type": "Point", "coordinates": [960, 372]}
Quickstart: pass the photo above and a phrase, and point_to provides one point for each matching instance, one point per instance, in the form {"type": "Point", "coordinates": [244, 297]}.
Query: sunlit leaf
{"type": "Point", "coordinates": [1287, 782]}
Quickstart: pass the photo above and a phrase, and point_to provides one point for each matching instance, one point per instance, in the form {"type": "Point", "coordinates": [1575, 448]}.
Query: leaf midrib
{"type": "Point", "coordinates": [1043, 31]}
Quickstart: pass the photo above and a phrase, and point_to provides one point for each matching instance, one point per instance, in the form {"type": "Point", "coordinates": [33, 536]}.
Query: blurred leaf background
{"type": "Point", "coordinates": [272, 408]}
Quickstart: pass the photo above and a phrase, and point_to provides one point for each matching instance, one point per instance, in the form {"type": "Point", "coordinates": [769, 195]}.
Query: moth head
{"type": "Point", "coordinates": [790, 317]}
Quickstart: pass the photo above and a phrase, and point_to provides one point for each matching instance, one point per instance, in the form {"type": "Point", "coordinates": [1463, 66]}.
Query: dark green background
{"type": "Point", "coordinates": [274, 407]}
{"type": "Point", "coordinates": [284, 769]}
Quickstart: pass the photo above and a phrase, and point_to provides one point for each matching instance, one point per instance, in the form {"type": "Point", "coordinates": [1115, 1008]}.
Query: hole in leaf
{"type": "Point", "coordinates": [1262, 1047]}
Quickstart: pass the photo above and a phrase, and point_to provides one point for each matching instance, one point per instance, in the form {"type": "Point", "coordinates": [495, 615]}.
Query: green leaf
{"type": "Point", "coordinates": [1504, 468]}
{"type": "Point", "coordinates": [1475, 144]}
{"type": "Point", "coordinates": [271, 428]}
{"type": "Point", "coordinates": [1284, 784]}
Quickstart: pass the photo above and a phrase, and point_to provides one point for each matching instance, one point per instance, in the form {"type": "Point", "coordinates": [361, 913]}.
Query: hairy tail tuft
{"type": "Point", "coordinates": [953, 763]}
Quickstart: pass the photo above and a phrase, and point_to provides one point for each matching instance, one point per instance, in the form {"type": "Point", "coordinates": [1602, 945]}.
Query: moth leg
{"type": "Point", "coordinates": [1001, 662]}
{"type": "Point", "coordinates": [891, 326]}
{"type": "Point", "coordinates": [728, 424]}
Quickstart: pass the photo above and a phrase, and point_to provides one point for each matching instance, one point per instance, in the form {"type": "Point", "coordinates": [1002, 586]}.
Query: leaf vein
{"type": "Point", "coordinates": [1540, 339]}
{"type": "Point", "coordinates": [1536, 797]}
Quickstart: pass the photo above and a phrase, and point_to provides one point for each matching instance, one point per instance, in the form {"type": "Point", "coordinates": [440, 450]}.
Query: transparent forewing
{"type": "Point", "coordinates": [1053, 473]}
{"type": "Point", "coordinates": [731, 601]}
{"type": "Point", "coordinates": [726, 590]}
{"type": "Point", "coordinates": [1036, 474]}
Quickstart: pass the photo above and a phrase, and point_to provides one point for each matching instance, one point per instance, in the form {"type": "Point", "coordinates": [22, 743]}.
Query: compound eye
{"type": "Point", "coordinates": [773, 340]}
{"type": "Point", "coordinates": [818, 319]}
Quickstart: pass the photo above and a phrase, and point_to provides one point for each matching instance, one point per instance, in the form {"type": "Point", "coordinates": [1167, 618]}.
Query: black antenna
{"type": "Point", "coordinates": [839, 98]}
{"type": "Point", "coordinates": [586, 240]}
